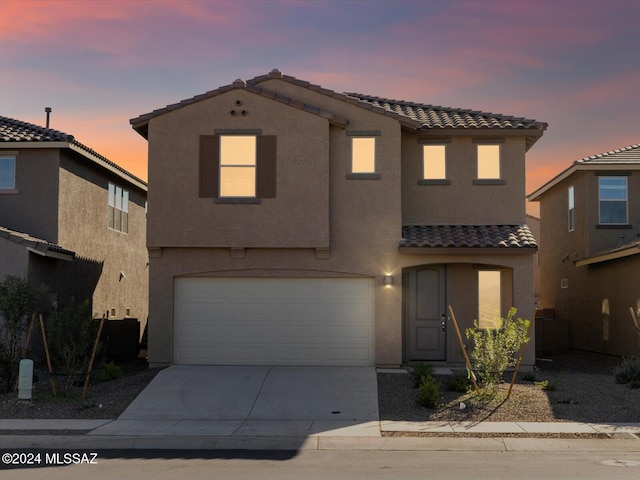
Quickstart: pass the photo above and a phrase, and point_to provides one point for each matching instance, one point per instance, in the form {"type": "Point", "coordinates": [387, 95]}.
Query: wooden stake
{"type": "Point", "coordinates": [635, 322]}
{"type": "Point", "coordinates": [93, 356]}
{"type": "Point", "coordinates": [524, 345]}
{"type": "Point", "coordinates": [26, 345]}
{"type": "Point", "coordinates": [464, 351]}
{"type": "Point", "coordinates": [46, 351]}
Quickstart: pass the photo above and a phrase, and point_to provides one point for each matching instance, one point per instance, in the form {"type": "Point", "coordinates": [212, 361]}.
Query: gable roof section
{"type": "Point", "coordinates": [626, 158]}
{"type": "Point", "coordinates": [37, 245]}
{"type": "Point", "coordinates": [18, 133]}
{"type": "Point", "coordinates": [468, 236]}
{"type": "Point", "coordinates": [413, 116]}
{"type": "Point", "coordinates": [622, 251]}
{"type": "Point", "coordinates": [140, 124]}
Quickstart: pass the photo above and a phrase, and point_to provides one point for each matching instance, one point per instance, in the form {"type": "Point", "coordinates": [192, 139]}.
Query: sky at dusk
{"type": "Point", "coordinates": [572, 64]}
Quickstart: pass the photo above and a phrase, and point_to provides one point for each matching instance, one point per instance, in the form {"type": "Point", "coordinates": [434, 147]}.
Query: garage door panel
{"type": "Point", "coordinates": [302, 321]}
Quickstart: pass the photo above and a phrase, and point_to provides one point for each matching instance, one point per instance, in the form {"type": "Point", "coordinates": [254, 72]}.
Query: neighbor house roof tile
{"type": "Point", "coordinates": [17, 131]}
{"type": "Point", "coordinates": [33, 242]}
{"type": "Point", "coordinates": [467, 236]}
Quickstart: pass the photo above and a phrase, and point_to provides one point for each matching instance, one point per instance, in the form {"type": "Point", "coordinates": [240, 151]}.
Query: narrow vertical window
{"type": "Point", "coordinates": [612, 193]}
{"type": "Point", "coordinates": [434, 162]}
{"type": "Point", "coordinates": [489, 298]}
{"type": "Point", "coordinates": [118, 208]}
{"type": "Point", "coordinates": [363, 151]}
{"type": "Point", "coordinates": [572, 213]}
{"type": "Point", "coordinates": [237, 166]}
{"type": "Point", "coordinates": [488, 162]}
{"type": "Point", "coordinates": [7, 172]}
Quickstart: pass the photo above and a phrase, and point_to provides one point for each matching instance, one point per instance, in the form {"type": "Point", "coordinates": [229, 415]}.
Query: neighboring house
{"type": "Point", "coordinates": [589, 254]}
{"type": "Point", "coordinates": [290, 224]}
{"type": "Point", "coordinates": [72, 220]}
{"type": "Point", "coordinates": [534, 226]}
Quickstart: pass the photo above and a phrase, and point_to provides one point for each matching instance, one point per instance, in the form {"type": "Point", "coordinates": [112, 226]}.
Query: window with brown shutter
{"type": "Point", "coordinates": [237, 168]}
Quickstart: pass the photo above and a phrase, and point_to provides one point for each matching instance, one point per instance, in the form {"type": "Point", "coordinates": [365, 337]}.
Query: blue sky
{"type": "Point", "coordinates": [573, 64]}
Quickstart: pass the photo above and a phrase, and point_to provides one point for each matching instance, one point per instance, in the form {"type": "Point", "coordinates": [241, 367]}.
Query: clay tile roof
{"type": "Point", "coordinates": [431, 116]}
{"type": "Point", "coordinates": [467, 236]}
{"type": "Point", "coordinates": [12, 130]}
{"type": "Point", "coordinates": [33, 242]}
{"type": "Point", "coordinates": [630, 154]}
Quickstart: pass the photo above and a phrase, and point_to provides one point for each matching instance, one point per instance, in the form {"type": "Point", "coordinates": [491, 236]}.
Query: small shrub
{"type": "Point", "coordinates": [420, 370]}
{"type": "Point", "coordinates": [458, 382]}
{"type": "Point", "coordinates": [628, 371]}
{"type": "Point", "coordinates": [108, 371]}
{"type": "Point", "coordinates": [528, 377]}
{"type": "Point", "coordinates": [546, 385]}
{"type": "Point", "coordinates": [17, 301]}
{"type": "Point", "coordinates": [495, 349]}
{"type": "Point", "coordinates": [429, 393]}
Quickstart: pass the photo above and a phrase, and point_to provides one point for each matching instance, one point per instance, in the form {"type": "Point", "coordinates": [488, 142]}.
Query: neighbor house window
{"type": "Point", "coordinates": [363, 155]}
{"type": "Point", "coordinates": [612, 193]}
{"type": "Point", "coordinates": [572, 212]}
{"type": "Point", "coordinates": [434, 162]}
{"type": "Point", "coordinates": [7, 172]}
{"type": "Point", "coordinates": [488, 162]}
{"type": "Point", "coordinates": [237, 166]}
{"type": "Point", "coordinates": [118, 208]}
{"type": "Point", "coordinates": [489, 298]}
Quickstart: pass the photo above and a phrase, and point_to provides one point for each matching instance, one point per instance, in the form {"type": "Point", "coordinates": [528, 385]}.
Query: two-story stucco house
{"type": "Point", "coordinates": [72, 220]}
{"type": "Point", "coordinates": [290, 224]}
{"type": "Point", "coordinates": [589, 249]}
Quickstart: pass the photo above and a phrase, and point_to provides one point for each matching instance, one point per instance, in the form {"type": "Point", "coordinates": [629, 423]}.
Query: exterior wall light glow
{"type": "Point", "coordinates": [388, 280]}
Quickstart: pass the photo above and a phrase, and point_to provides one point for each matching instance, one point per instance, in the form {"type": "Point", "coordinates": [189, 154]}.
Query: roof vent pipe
{"type": "Point", "coordinates": [48, 112]}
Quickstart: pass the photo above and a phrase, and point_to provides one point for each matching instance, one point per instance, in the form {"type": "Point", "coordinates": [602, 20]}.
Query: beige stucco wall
{"type": "Point", "coordinates": [581, 302]}
{"type": "Point", "coordinates": [462, 202]}
{"type": "Point", "coordinates": [34, 209]}
{"type": "Point", "coordinates": [83, 229]}
{"type": "Point", "coordinates": [362, 218]}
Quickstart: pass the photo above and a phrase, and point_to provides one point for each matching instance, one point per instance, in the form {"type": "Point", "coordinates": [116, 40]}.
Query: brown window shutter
{"type": "Point", "coordinates": [209, 165]}
{"type": "Point", "coordinates": [266, 166]}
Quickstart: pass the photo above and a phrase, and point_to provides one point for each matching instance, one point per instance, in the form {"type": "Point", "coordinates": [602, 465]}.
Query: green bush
{"type": "Point", "coordinates": [458, 382]}
{"type": "Point", "coordinates": [495, 349]}
{"type": "Point", "coordinates": [628, 371]}
{"type": "Point", "coordinates": [420, 370]}
{"type": "Point", "coordinates": [546, 385]}
{"type": "Point", "coordinates": [107, 372]}
{"type": "Point", "coordinates": [71, 336]}
{"type": "Point", "coordinates": [429, 394]}
{"type": "Point", "coordinates": [17, 301]}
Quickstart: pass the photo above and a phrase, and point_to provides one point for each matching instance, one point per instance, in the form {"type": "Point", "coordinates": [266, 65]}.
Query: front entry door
{"type": "Point", "coordinates": [426, 314]}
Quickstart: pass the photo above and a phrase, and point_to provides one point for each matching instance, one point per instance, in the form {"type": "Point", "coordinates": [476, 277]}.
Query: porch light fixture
{"type": "Point", "coordinates": [388, 280]}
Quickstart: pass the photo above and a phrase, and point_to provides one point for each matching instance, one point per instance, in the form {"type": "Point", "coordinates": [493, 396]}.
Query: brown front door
{"type": "Point", "coordinates": [425, 314]}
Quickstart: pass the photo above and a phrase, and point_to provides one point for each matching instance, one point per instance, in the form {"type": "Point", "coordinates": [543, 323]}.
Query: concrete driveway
{"type": "Point", "coordinates": [254, 401]}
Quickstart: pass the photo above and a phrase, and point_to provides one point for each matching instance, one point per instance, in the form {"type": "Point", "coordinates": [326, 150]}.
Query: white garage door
{"type": "Point", "coordinates": [274, 321]}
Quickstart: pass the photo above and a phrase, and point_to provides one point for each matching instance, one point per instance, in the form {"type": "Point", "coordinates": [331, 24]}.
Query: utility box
{"type": "Point", "coordinates": [25, 379]}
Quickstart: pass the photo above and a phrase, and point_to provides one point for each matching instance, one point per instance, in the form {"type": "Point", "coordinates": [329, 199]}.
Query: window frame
{"type": "Point", "coordinates": [601, 200]}
{"type": "Point", "coordinates": [12, 158]}
{"type": "Point", "coordinates": [371, 174]}
{"type": "Point", "coordinates": [430, 160]}
{"type": "Point", "coordinates": [117, 208]}
{"type": "Point", "coordinates": [231, 166]}
{"type": "Point", "coordinates": [571, 207]}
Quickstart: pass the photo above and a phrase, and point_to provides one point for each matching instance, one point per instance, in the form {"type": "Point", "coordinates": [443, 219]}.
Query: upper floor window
{"type": "Point", "coordinates": [612, 195]}
{"type": "Point", "coordinates": [118, 208]}
{"type": "Point", "coordinates": [434, 162]}
{"type": "Point", "coordinates": [7, 172]}
{"type": "Point", "coordinates": [488, 162]}
{"type": "Point", "coordinates": [572, 209]}
{"type": "Point", "coordinates": [237, 166]}
{"type": "Point", "coordinates": [363, 155]}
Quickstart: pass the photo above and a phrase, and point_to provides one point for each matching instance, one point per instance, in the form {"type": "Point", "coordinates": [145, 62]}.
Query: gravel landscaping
{"type": "Point", "coordinates": [585, 391]}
